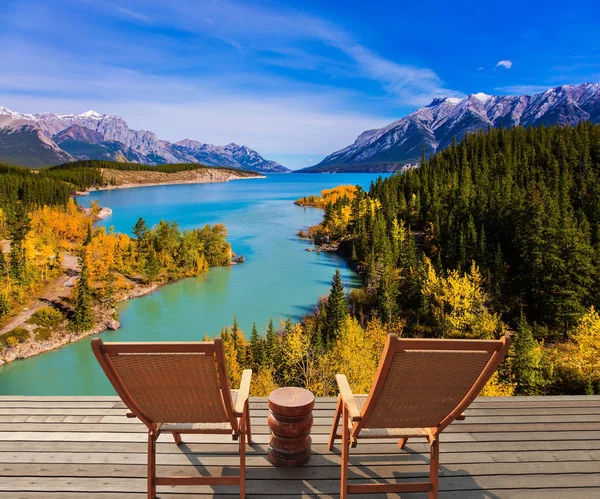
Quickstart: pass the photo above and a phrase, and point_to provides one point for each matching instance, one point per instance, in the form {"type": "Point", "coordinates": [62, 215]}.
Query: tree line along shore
{"type": "Point", "coordinates": [497, 233]}
{"type": "Point", "coordinates": [500, 232]}
{"type": "Point", "coordinates": [45, 231]}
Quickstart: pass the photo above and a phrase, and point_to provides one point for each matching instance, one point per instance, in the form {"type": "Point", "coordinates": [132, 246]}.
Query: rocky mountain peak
{"type": "Point", "coordinates": [436, 125]}
{"type": "Point", "coordinates": [93, 135]}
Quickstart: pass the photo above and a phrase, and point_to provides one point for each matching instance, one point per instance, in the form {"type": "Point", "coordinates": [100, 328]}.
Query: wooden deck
{"type": "Point", "coordinates": [82, 447]}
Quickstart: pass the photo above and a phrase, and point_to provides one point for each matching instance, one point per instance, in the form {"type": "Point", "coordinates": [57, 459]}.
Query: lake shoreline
{"type": "Point", "coordinates": [201, 176]}
{"type": "Point", "coordinates": [280, 279]}
{"type": "Point", "coordinates": [104, 320]}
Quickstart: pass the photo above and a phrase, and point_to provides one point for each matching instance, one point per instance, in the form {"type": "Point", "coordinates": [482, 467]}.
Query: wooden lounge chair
{"type": "Point", "coordinates": [421, 386]}
{"type": "Point", "coordinates": [179, 388]}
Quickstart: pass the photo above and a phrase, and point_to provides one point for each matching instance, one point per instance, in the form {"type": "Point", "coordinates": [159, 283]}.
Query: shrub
{"type": "Point", "coordinates": [43, 334]}
{"type": "Point", "coordinates": [14, 337]}
{"type": "Point", "coordinates": [47, 318]}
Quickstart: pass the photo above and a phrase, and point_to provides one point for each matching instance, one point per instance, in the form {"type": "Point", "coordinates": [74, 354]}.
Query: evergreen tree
{"type": "Point", "coordinates": [152, 266]}
{"type": "Point", "coordinates": [336, 309]}
{"type": "Point", "coordinates": [4, 305]}
{"type": "Point", "coordinates": [256, 348]}
{"type": "Point", "coordinates": [141, 231]}
{"type": "Point", "coordinates": [240, 349]}
{"type": "Point", "coordinates": [88, 236]}
{"type": "Point", "coordinates": [526, 361]}
{"type": "Point", "coordinates": [19, 224]}
{"type": "Point", "coordinates": [288, 326]}
{"type": "Point", "coordinates": [271, 353]}
{"type": "Point", "coordinates": [385, 298]}
{"type": "Point", "coordinates": [3, 265]}
{"type": "Point", "coordinates": [82, 318]}
{"type": "Point", "coordinates": [17, 263]}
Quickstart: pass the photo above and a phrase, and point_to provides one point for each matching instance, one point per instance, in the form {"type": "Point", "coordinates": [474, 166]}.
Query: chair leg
{"type": "Point", "coordinates": [151, 465]}
{"type": "Point", "coordinates": [177, 437]}
{"type": "Point", "coordinates": [434, 464]}
{"type": "Point", "coordinates": [336, 422]}
{"type": "Point", "coordinates": [345, 454]}
{"type": "Point", "coordinates": [248, 427]}
{"type": "Point", "coordinates": [243, 455]}
{"type": "Point", "coordinates": [402, 442]}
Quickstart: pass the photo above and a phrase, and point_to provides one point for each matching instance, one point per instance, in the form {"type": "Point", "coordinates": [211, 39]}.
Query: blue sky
{"type": "Point", "coordinates": [293, 80]}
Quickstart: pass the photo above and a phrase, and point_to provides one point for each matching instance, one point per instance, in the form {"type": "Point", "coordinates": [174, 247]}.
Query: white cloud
{"type": "Point", "coordinates": [250, 27]}
{"type": "Point", "coordinates": [480, 68]}
{"type": "Point", "coordinates": [410, 84]}
{"type": "Point", "coordinates": [219, 100]}
{"type": "Point", "coordinates": [504, 64]}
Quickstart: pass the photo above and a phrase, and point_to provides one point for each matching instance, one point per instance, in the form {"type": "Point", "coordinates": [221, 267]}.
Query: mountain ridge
{"type": "Point", "coordinates": [42, 139]}
{"type": "Point", "coordinates": [435, 126]}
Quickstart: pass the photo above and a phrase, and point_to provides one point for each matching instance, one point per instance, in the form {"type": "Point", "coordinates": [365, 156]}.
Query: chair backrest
{"type": "Point", "coordinates": [427, 383]}
{"type": "Point", "coordinates": [169, 382]}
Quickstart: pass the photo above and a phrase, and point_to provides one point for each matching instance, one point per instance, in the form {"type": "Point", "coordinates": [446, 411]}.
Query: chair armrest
{"type": "Point", "coordinates": [348, 397]}
{"type": "Point", "coordinates": [243, 392]}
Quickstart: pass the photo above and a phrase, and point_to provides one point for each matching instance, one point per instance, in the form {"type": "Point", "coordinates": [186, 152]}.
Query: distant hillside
{"type": "Point", "coordinates": [435, 126]}
{"type": "Point", "coordinates": [42, 139]}
{"type": "Point", "coordinates": [110, 174]}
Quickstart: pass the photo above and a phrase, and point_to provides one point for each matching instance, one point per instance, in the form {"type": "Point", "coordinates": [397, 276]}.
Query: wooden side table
{"type": "Point", "coordinates": [290, 421]}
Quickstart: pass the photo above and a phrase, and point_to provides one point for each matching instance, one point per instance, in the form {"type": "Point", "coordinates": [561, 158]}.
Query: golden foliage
{"type": "Point", "coordinates": [497, 388]}
{"type": "Point", "coordinates": [328, 196]}
{"type": "Point", "coordinates": [57, 226]}
{"type": "Point", "coordinates": [585, 352]}
{"type": "Point", "coordinates": [104, 255]}
{"type": "Point", "coordinates": [263, 382]}
{"type": "Point", "coordinates": [458, 302]}
{"type": "Point", "coordinates": [357, 354]}
{"type": "Point", "coordinates": [234, 370]}
{"type": "Point", "coordinates": [293, 347]}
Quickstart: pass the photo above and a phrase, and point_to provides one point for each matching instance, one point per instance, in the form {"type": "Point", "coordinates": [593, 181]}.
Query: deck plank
{"type": "Point", "coordinates": [525, 447]}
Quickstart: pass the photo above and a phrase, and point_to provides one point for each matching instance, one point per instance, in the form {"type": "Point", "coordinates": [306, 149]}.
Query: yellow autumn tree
{"type": "Point", "coordinates": [376, 335]}
{"type": "Point", "coordinates": [458, 303]}
{"type": "Point", "coordinates": [294, 346]}
{"type": "Point", "coordinates": [329, 196]}
{"type": "Point", "coordinates": [497, 388]}
{"type": "Point", "coordinates": [585, 353]}
{"type": "Point", "coordinates": [234, 371]}
{"type": "Point", "coordinates": [104, 257]}
{"type": "Point", "coordinates": [356, 355]}
{"type": "Point", "coordinates": [263, 382]}
{"type": "Point", "coordinates": [58, 226]}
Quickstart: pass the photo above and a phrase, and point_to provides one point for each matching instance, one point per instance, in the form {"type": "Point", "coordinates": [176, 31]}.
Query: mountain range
{"type": "Point", "coordinates": [43, 139]}
{"type": "Point", "coordinates": [435, 126]}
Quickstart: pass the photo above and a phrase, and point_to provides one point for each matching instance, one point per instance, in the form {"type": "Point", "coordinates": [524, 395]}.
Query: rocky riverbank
{"type": "Point", "coordinates": [104, 319]}
{"type": "Point", "coordinates": [325, 248]}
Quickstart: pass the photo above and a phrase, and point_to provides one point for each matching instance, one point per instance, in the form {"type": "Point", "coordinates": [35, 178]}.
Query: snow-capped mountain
{"type": "Point", "coordinates": [435, 126]}
{"type": "Point", "coordinates": [231, 155]}
{"type": "Point", "coordinates": [22, 141]}
{"type": "Point", "coordinates": [92, 135]}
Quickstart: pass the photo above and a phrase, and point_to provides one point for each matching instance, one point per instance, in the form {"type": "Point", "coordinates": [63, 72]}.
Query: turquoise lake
{"type": "Point", "coordinates": [279, 279]}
